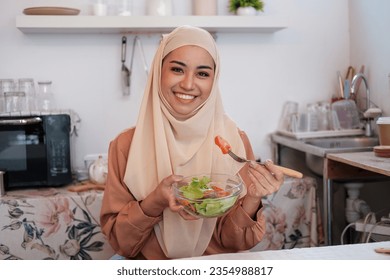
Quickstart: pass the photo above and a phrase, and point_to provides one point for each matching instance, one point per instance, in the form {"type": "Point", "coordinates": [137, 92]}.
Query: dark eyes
{"type": "Point", "coordinates": [200, 73]}
{"type": "Point", "coordinates": [176, 69]}
{"type": "Point", "coordinates": [204, 74]}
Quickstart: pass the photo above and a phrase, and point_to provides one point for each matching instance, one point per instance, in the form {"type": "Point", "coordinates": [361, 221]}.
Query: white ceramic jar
{"type": "Point", "coordinates": [99, 7]}
{"type": "Point", "coordinates": [98, 171]}
{"type": "Point", "coordinates": [204, 7]}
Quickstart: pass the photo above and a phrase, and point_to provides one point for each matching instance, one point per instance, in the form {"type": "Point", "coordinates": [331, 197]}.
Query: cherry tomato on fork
{"type": "Point", "coordinates": [222, 144]}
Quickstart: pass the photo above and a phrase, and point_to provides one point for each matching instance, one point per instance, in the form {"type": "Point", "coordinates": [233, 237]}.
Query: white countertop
{"type": "Point", "coordinates": [361, 251]}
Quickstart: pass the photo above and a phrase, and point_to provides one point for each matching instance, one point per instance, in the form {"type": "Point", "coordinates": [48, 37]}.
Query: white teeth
{"type": "Point", "coordinates": [185, 96]}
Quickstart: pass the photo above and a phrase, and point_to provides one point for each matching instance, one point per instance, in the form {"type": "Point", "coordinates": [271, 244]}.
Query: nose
{"type": "Point", "coordinates": [187, 82]}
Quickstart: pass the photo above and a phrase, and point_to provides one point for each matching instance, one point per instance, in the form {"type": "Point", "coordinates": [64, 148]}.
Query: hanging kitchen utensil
{"type": "Point", "coordinates": [226, 149]}
{"type": "Point", "coordinates": [125, 74]}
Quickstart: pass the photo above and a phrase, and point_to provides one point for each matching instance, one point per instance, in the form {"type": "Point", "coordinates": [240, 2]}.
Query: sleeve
{"type": "Point", "coordinates": [123, 222]}
{"type": "Point", "coordinates": [237, 231]}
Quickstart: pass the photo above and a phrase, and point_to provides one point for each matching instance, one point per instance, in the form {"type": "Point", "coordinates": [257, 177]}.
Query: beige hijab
{"type": "Point", "coordinates": [163, 145]}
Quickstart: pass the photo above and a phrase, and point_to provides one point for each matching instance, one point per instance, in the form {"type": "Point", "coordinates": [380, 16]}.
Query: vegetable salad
{"type": "Point", "coordinates": [206, 198]}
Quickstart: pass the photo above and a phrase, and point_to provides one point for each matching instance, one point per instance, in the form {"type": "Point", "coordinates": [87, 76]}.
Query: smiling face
{"type": "Point", "coordinates": [186, 79]}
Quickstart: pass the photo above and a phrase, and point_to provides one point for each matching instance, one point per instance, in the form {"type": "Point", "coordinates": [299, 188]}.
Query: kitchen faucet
{"type": "Point", "coordinates": [368, 114]}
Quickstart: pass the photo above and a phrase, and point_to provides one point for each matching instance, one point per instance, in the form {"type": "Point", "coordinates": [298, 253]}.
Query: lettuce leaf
{"type": "Point", "coordinates": [195, 188]}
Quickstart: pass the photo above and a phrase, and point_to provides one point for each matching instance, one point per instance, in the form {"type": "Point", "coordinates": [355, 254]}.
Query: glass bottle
{"type": "Point", "coordinates": [45, 96]}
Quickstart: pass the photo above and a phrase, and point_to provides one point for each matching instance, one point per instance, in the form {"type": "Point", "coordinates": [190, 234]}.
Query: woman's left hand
{"type": "Point", "coordinates": [266, 179]}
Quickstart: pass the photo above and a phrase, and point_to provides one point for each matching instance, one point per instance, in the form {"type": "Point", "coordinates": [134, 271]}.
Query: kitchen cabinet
{"type": "Point", "coordinates": [147, 24]}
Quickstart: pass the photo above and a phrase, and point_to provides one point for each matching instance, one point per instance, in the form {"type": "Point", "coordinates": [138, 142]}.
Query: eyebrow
{"type": "Point", "coordinates": [183, 64]}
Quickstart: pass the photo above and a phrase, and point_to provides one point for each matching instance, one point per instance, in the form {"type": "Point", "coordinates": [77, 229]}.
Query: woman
{"type": "Point", "coordinates": [180, 115]}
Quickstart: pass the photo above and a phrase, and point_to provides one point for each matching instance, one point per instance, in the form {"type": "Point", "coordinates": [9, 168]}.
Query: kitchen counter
{"type": "Point", "coordinates": [363, 160]}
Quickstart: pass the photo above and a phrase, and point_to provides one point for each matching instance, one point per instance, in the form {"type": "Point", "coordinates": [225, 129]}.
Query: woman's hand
{"type": "Point", "coordinates": [163, 197]}
{"type": "Point", "coordinates": [265, 179]}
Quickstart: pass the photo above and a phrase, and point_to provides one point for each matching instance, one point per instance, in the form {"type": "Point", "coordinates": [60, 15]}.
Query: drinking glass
{"type": "Point", "coordinates": [45, 96]}
{"type": "Point", "coordinates": [28, 87]}
{"type": "Point", "coordinates": [6, 85]}
{"type": "Point", "coordinates": [287, 118]}
{"type": "Point", "coordinates": [15, 101]}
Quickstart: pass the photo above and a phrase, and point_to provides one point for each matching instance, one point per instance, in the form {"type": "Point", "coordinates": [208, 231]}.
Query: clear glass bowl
{"type": "Point", "coordinates": [208, 195]}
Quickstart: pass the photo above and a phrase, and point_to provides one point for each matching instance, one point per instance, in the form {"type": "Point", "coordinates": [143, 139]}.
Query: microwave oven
{"type": "Point", "coordinates": [35, 150]}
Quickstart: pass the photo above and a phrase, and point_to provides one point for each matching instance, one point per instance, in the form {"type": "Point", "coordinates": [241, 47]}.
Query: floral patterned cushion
{"type": "Point", "coordinates": [52, 224]}
{"type": "Point", "coordinates": [292, 216]}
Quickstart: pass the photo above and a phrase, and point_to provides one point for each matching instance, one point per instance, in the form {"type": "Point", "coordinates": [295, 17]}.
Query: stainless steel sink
{"type": "Point", "coordinates": [336, 145]}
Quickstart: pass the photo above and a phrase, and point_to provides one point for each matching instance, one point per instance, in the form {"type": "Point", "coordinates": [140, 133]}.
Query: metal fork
{"type": "Point", "coordinates": [226, 149]}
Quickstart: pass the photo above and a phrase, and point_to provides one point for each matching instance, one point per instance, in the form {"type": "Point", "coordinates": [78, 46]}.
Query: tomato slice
{"type": "Point", "coordinates": [217, 189]}
{"type": "Point", "coordinates": [219, 192]}
{"type": "Point", "coordinates": [222, 193]}
{"type": "Point", "coordinates": [222, 144]}
{"type": "Point", "coordinates": [184, 202]}
{"type": "Point", "coordinates": [209, 194]}
{"type": "Point", "coordinates": [187, 204]}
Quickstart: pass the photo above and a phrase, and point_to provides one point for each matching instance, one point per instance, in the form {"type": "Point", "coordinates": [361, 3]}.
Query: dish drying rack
{"type": "Point", "coordinates": [321, 134]}
{"type": "Point", "coordinates": [341, 120]}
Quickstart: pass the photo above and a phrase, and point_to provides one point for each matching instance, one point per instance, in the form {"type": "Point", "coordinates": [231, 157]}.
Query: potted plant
{"type": "Point", "coordinates": [246, 7]}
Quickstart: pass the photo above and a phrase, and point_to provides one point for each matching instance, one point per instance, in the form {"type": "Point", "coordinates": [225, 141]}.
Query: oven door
{"type": "Point", "coordinates": [23, 151]}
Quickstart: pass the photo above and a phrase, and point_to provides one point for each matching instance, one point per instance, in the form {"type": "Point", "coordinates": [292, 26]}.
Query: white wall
{"type": "Point", "coordinates": [259, 71]}
{"type": "Point", "coordinates": [370, 45]}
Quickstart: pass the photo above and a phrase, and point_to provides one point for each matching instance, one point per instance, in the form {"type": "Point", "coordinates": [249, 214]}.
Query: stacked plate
{"type": "Point", "coordinates": [51, 11]}
{"type": "Point", "coordinates": [382, 151]}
